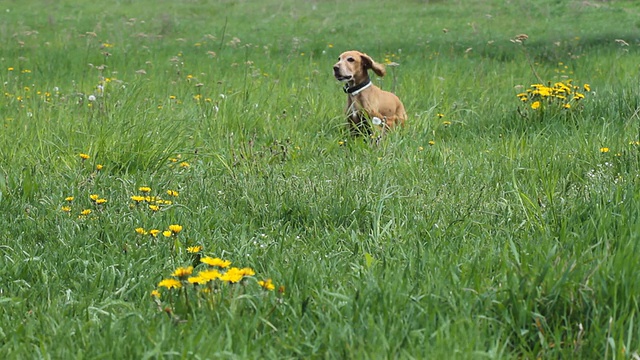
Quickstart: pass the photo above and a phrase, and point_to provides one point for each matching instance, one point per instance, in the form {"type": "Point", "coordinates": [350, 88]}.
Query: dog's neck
{"type": "Point", "coordinates": [355, 89]}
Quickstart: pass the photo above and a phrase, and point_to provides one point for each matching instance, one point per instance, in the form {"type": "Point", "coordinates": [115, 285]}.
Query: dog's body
{"type": "Point", "coordinates": [366, 101]}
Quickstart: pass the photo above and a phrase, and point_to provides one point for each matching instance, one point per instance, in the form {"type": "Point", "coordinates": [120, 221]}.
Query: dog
{"type": "Point", "coordinates": [366, 101]}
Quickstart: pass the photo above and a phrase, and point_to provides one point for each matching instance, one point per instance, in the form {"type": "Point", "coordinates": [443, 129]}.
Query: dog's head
{"type": "Point", "coordinates": [352, 66]}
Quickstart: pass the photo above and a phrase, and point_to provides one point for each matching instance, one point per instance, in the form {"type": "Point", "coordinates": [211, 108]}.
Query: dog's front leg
{"type": "Point", "coordinates": [359, 124]}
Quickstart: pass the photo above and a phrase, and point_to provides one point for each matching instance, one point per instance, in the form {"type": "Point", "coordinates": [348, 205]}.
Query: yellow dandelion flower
{"type": "Point", "coordinates": [154, 207]}
{"type": "Point", "coordinates": [141, 231]}
{"type": "Point", "coordinates": [83, 156]}
{"type": "Point", "coordinates": [233, 275]}
{"type": "Point", "coordinates": [170, 284]}
{"type": "Point", "coordinates": [85, 212]}
{"type": "Point", "coordinates": [183, 272]}
{"type": "Point", "coordinates": [604, 150]}
{"type": "Point", "coordinates": [172, 193]}
{"type": "Point", "coordinates": [215, 262]}
{"type": "Point", "coordinates": [175, 228]}
{"type": "Point", "coordinates": [184, 164]}
{"type": "Point", "coordinates": [194, 249]}
{"type": "Point", "coordinates": [167, 233]}
{"type": "Point", "coordinates": [247, 271]}
{"type": "Point", "coordinates": [431, 143]}
{"type": "Point", "coordinates": [94, 197]}
{"type": "Point", "coordinates": [535, 105]}
{"type": "Point", "coordinates": [99, 167]}
{"type": "Point", "coordinates": [209, 274]}
{"type": "Point", "coordinates": [66, 209]}
{"type": "Point", "coordinates": [446, 123]}
{"type": "Point", "coordinates": [587, 87]}
{"type": "Point", "coordinates": [154, 232]}
{"type": "Point", "coordinates": [68, 198]}
{"type": "Point", "coordinates": [567, 106]}
{"type": "Point", "coordinates": [440, 115]}
{"type": "Point", "coordinates": [197, 280]}
{"type": "Point", "coordinates": [144, 189]}
{"type": "Point", "coordinates": [155, 294]}
{"type": "Point", "coordinates": [137, 198]}
{"type": "Point", "coordinates": [267, 284]}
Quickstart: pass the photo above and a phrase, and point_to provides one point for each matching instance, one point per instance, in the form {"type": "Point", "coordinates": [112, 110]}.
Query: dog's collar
{"type": "Point", "coordinates": [353, 91]}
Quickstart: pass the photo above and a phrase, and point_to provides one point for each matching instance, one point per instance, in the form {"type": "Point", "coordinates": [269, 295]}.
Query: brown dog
{"type": "Point", "coordinates": [366, 101]}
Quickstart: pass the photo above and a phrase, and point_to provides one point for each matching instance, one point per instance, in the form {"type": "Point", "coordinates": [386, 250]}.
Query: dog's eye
{"type": "Point", "coordinates": [351, 59]}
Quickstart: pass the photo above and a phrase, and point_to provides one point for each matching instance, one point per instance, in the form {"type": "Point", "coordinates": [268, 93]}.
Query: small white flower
{"type": "Point", "coordinates": [376, 120]}
{"type": "Point", "coordinates": [91, 98]}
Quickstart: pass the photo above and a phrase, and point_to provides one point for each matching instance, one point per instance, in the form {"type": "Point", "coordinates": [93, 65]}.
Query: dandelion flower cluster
{"type": "Point", "coordinates": [154, 203]}
{"type": "Point", "coordinates": [561, 94]}
{"type": "Point", "coordinates": [211, 279]}
{"type": "Point", "coordinates": [173, 230]}
{"type": "Point", "coordinates": [86, 211]}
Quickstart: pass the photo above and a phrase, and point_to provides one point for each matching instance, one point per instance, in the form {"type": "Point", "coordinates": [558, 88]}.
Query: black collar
{"type": "Point", "coordinates": [356, 89]}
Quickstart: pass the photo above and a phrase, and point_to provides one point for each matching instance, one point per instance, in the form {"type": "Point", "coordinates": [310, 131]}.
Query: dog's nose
{"type": "Point", "coordinates": [336, 68]}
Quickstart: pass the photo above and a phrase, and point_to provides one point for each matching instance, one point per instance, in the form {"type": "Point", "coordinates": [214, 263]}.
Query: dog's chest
{"type": "Point", "coordinates": [355, 111]}
{"type": "Point", "coordinates": [357, 107]}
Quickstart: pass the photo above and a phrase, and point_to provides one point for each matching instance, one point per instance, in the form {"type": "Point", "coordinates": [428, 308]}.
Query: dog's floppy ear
{"type": "Point", "coordinates": [368, 63]}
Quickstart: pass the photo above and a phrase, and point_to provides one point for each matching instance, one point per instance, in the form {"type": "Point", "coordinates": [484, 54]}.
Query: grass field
{"type": "Point", "coordinates": [140, 138]}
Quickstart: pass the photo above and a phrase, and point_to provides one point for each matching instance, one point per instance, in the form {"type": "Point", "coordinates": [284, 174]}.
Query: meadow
{"type": "Point", "coordinates": [177, 181]}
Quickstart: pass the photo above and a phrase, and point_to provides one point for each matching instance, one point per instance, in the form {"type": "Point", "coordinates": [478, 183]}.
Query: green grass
{"type": "Point", "coordinates": [505, 237]}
